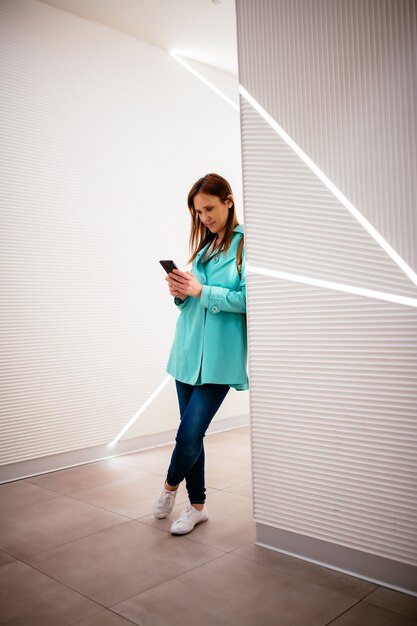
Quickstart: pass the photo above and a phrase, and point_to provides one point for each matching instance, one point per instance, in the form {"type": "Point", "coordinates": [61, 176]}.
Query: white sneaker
{"type": "Point", "coordinates": [164, 503]}
{"type": "Point", "coordinates": [188, 519]}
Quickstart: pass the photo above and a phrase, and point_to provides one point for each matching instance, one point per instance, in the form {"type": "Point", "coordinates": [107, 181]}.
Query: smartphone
{"type": "Point", "coordinates": [168, 265]}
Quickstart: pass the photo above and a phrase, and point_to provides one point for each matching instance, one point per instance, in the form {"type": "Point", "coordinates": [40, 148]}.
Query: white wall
{"type": "Point", "coordinates": [333, 374]}
{"type": "Point", "coordinates": [102, 137]}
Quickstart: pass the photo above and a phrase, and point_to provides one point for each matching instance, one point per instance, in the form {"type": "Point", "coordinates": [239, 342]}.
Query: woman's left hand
{"type": "Point", "coordinates": [185, 282]}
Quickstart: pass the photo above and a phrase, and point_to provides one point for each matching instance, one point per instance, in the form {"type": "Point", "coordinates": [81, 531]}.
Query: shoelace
{"type": "Point", "coordinates": [183, 518]}
{"type": "Point", "coordinates": [187, 513]}
{"type": "Point", "coordinates": [166, 496]}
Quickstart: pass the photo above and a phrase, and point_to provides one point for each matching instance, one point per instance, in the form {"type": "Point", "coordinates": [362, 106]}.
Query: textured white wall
{"type": "Point", "coordinates": [333, 374]}
{"type": "Point", "coordinates": [102, 136]}
{"type": "Point", "coordinates": [340, 78]}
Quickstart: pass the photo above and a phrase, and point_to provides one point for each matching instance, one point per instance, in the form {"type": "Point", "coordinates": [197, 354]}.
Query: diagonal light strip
{"type": "Point", "coordinates": [331, 186]}
{"type": "Point", "coordinates": [294, 277]}
{"type": "Point", "coordinates": [141, 410]}
{"type": "Point", "coordinates": [166, 380]}
{"type": "Point", "coordinates": [143, 407]}
{"type": "Point", "coordinates": [204, 80]}
{"type": "Point", "coordinates": [327, 284]}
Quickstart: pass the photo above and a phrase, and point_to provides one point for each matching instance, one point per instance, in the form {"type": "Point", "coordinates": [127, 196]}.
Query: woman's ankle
{"type": "Point", "coordinates": [169, 488]}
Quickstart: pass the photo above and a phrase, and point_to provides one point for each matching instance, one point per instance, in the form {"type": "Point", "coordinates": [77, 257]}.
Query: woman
{"type": "Point", "coordinates": [209, 352]}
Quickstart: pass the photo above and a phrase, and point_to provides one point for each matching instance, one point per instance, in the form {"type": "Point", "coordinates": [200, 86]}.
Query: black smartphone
{"type": "Point", "coordinates": [168, 265]}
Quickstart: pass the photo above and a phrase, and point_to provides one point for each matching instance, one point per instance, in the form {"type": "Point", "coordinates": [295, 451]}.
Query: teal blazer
{"type": "Point", "coordinates": [210, 342]}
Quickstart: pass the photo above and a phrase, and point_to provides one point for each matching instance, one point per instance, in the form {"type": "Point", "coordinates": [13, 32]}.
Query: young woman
{"type": "Point", "coordinates": [209, 352]}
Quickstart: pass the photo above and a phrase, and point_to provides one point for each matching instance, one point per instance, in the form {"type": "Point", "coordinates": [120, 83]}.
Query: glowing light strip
{"type": "Point", "coordinates": [204, 80]}
{"type": "Point", "coordinates": [141, 410]}
{"type": "Point", "coordinates": [328, 183]}
{"type": "Point", "coordinates": [294, 277]}
{"type": "Point", "coordinates": [166, 380]}
{"type": "Point", "coordinates": [317, 282]}
{"type": "Point", "coordinates": [145, 405]}
{"type": "Point", "coordinates": [331, 186]}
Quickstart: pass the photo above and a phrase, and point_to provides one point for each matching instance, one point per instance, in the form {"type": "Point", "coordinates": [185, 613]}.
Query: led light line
{"type": "Point", "coordinates": [148, 401]}
{"type": "Point", "coordinates": [315, 169]}
{"type": "Point", "coordinates": [203, 79]}
{"type": "Point", "coordinates": [331, 186]}
{"type": "Point", "coordinates": [294, 277]}
{"type": "Point", "coordinates": [327, 284]}
{"type": "Point", "coordinates": [141, 410]}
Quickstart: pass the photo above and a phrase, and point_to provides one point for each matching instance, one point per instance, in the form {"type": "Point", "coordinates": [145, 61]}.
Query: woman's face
{"type": "Point", "coordinates": [212, 211]}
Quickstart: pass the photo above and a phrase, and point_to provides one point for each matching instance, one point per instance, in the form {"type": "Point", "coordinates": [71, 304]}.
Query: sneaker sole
{"type": "Point", "coordinates": [178, 532]}
{"type": "Point", "coordinates": [162, 515]}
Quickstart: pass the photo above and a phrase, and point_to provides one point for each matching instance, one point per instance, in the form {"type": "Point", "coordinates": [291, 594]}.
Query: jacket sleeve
{"type": "Point", "coordinates": [217, 299]}
{"type": "Point", "coordinates": [181, 303]}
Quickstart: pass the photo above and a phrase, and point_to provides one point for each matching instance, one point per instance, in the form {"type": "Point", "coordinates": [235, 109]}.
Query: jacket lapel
{"type": "Point", "coordinates": [198, 265]}
{"type": "Point", "coordinates": [223, 258]}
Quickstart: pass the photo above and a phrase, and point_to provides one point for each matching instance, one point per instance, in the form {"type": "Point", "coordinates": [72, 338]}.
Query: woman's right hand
{"type": "Point", "coordinates": [173, 289]}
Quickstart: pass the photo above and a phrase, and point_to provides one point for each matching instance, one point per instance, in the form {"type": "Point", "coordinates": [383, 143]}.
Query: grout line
{"type": "Point", "coordinates": [64, 585]}
{"type": "Point", "coordinates": [112, 611]}
{"type": "Point", "coordinates": [353, 605]}
{"type": "Point", "coordinates": [177, 575]}
{"type": "Point", "coordinates": [128, 520]}
{"type": "Point", "coordinates": [59, 545]}
{"type": "Point", "coordinates": [20, 559]}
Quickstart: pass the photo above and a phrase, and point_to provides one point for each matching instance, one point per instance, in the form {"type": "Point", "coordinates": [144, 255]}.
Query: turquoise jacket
{"type": "Point", "coordinates": [210, 343]}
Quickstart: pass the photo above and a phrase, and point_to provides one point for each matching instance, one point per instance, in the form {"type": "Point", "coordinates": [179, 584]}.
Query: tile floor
{"type": "Point", "coordinates": [81, 546]}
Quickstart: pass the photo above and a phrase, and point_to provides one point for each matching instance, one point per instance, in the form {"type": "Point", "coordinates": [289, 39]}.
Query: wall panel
{"type": "Point", "coordinates": [98, 152]}
{"type": "Point", "coordinates": [333, 375]}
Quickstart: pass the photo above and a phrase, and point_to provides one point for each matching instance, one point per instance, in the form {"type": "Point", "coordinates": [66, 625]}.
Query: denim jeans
{"type": "Point", "coordinates": [198, 405]}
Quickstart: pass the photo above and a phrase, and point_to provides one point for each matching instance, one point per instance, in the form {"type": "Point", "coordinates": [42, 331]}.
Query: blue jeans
{"type": "Point", "coordinates": [198, 405]}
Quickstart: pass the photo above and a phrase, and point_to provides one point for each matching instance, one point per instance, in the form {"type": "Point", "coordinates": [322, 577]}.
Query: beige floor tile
{"type": "Point", "coordinates": [225, 470]}
{"type": "Point", "coordinates": [223, 593]}
{"type": "Point", "coordinates": [337, 581]}
{"type": "Point", "coordinates": [85, 476]}
{"type": "Point", "coordinates": [88, 541]}
{"type": "Point", "coordinates": [117, 563]}
{"type": "Point", "coordinates": [105, 618]}
{"type": "Point", "coordinates": [28, 597]}
{"type": "Point", "coordinates": [21, 493]}
{"type": "Point", "coordinates": [5, 558]}
{"type": "Point", "coordinates": [241, 489]}
{"type": "Point", "coordinates": [395, 601]}
{"type": "Point", "coordinates": [132, 497]}
{"type": "Point", "coordinates": [43, 525]}
{"type": "Point", "coordinates": [365, 614]}
{"type": "Point", "coordinates": [154, 460]}
{"type": "Point", "coordinates": [230, 522]}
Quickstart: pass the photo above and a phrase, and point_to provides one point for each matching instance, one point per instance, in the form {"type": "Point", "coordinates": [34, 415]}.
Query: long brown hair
{"type": "Point", "coordinates": [201, 235]}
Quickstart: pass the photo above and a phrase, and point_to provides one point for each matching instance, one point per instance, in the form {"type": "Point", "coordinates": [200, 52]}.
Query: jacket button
{"type": "Point", "coordinates": [214, 309]}
{"type": "Point", "coordinates": [216, 260]}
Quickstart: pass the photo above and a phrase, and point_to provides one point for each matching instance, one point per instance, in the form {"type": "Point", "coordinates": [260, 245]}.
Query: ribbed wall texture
{"type": "Point", "coordinates": [333, 375]}
{"type": "Point", "coordinates": [299, 226]}
{"type": "Point", "coordinates": [340, 76]}
{"type": "Point", "coordinates": [97, 133]}
{"type": "Point", "coordinates": [334, 397]}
